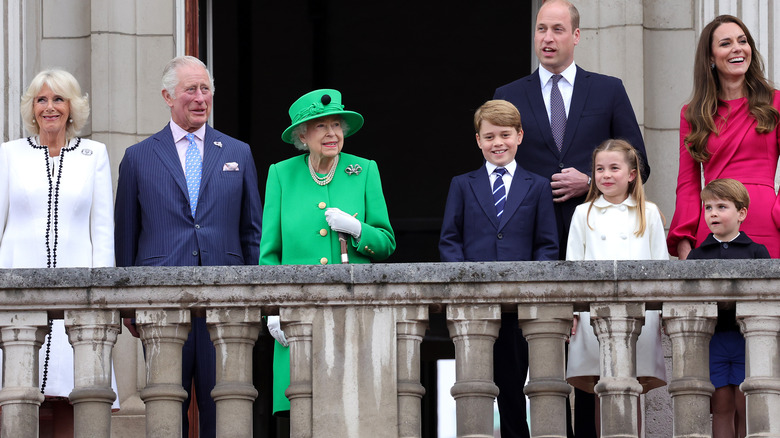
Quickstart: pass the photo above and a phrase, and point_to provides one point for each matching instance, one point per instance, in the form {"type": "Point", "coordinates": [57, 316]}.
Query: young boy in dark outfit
{"type": "Point", "coordinates": [725, 208]}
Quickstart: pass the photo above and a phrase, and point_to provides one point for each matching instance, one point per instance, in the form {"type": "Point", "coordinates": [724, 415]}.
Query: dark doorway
{"type": "Point", "coordinates": [416, 70]}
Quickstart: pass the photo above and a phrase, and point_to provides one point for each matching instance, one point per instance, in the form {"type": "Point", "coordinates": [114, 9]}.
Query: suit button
{"type": "Point", "coordinates": [195, 253]}
{"type": "Point", "coordinates": [622, 207]}
{"type": "Point", "coordinates": [197, 227]}
{"type": "Point", "coordinates": [560, 165]}
{"type": "Point", "coordinates": [725, 245]}
{"type": "Point", "coordinates": [323, 232]}
{"type": "Point", "coordinates": [603, 237]}
{"type": "Point", "coordinates": [500, 236]}
{"type": "Point", "coordinates": [322, 205]}
{"type": "Point", "coordinates": [324, 261]}
{"type": "Point", "coordinates": [623, 236]}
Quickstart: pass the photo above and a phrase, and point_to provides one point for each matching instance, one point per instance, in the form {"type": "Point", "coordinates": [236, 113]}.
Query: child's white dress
{"type": "Point", "coordinates": [613, 238]}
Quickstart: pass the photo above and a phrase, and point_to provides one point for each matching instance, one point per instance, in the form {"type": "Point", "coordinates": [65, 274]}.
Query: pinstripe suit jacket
{"type": "Point", "coordinates": [154, 225]}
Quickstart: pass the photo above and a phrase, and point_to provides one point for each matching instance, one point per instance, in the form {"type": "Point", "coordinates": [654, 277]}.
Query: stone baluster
{"type": "Point", "coordinates": [617, 325]}
{"type": "Point", "coordinates": [760, 324]}
{"type": "Point", "coordinates": [474, 329]}
{"type": "Point", "coordinates": [163, 333]}
{"type": "Point", "coordinates": [297, 326]}
{"type": "Point", "coordinates": [690, 327]}
{"type": "Point", "coordinates": [546, 328]}
{"type": "Point", "coordinates": [410, 327]}
{"type": "Point", "coordinates": [21, 336]}
{"type": "Point", "coordinates": [234, 332]}
{"type": "Point", "coordinates": [92, 333]}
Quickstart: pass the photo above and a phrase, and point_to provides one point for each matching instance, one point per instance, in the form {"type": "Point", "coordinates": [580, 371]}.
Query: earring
{"type": "Point", "coordinates": [33, 121]}
{"type": "Point", "coordinates": [70, 120]}
{"type": "Point", "coordinates": [305, 145]}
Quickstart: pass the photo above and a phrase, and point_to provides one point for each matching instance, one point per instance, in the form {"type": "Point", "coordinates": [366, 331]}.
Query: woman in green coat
{"type": "Point", "coordinates": [312, 198]}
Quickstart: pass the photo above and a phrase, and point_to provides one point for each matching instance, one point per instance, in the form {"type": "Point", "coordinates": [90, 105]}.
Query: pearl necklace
{"type": "Point", "coordinates": [323, 180]}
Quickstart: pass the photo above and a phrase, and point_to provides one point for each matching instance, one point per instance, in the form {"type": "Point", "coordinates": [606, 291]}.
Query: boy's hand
{"type": "Point", "coordinates": [569, 183]}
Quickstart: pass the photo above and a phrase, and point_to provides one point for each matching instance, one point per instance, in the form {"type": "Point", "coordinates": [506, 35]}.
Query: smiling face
{"type": "Point", "coordinates": [612, 175]}
{"type": "Point", "coordinates": [51, 112]}
{"type": "Point", "coordinates": [191, 106]}
{"type": "Point", "coordinates": [324, 136]}
{"type": "Point", "coordinates": [554, 38]}
{"type": "Point", "coordinates": [731, 52]}
{"type": "Point", "coordinates": [723, 218]}
{"type": "Point", "coordinates": [498, 143]}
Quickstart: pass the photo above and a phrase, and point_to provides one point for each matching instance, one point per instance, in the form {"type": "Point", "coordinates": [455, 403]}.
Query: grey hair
{"type": "Point", "coordinates": [65, 85]}
{"type": "Point", "coordinates": [170, 77]}
{"type": "Point", "coordinates": [300, 130]}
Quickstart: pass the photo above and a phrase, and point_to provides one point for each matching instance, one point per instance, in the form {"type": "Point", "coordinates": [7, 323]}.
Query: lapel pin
{"type": "Point", "coordinates": [86, 152]}
{"type": "Point", "coordinates": [218, 144]}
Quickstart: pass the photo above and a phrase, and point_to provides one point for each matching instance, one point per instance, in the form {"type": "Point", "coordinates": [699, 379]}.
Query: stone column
{"type": "Point", "coordinates": [234, 332]}
{"type": "Point", "coordinates": [690, 327]}
{"type": "Point", "coordinates": [92, 333]}
{"type": "Point", "coordinates": [21, 336]}
{"type": "Point", "coordinates": [546, 329]}
{"type": "Point", "coordinates": [760, 323]}
{"type": "Point", "coordinates": [474, 329]}
{"type": "Point", "coordinates": [163, 333]}
{"type": "Point", "coordinates": [410, 327]}
{"type": "Point", "coordinates": [617, 327]}
{"type": "Point", "coordinates": [297, 326]}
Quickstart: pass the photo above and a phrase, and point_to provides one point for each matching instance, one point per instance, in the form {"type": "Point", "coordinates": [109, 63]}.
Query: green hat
{"type": "Point", "coordinates": [321, 103]}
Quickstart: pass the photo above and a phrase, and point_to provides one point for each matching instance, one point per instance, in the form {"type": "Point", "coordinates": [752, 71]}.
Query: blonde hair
{"type": "Point", "coordinates": [727, 189]}
{"type": "Point", "coordinates": [635, 188]}
{"type": "Point", "coordinates": [498, 112]}
{"type": "Point", "coordinates": [64, 84]}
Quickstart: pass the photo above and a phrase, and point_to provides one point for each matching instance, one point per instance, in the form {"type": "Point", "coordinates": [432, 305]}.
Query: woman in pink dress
{"type": "Point", "coordinates": [728, 129]}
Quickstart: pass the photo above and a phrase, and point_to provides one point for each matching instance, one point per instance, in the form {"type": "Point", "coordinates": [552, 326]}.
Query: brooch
{"type": "Point", "coordinates": [86, 152]}
{"type": "Point", "coordinates": [353, 169]}
{"type": "Point", "coordinates": [218, 144]}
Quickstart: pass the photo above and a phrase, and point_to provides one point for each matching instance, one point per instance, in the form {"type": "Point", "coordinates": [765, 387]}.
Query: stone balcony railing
{"type": "Point", "coordinates": [355, 334]}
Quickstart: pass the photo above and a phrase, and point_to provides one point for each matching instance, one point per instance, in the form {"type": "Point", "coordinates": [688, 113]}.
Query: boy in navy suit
{"type": "Point", "coordinates": [501, 212]}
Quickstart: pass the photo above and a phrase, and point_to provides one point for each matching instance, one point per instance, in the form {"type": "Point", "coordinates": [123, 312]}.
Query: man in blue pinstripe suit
{"type": "Point", "coordinates": [210, 216]}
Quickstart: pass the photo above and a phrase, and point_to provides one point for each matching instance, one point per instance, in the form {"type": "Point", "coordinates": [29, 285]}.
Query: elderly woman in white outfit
{"type": "Point", "coordinates": [56, 200]}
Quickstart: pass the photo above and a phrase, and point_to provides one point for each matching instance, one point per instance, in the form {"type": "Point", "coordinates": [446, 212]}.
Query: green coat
{"type": "Point", "coordinates": [295, 231]}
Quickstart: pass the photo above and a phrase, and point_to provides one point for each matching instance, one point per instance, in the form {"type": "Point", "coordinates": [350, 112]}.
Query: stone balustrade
{"type": "Point", "coordinates": [355, 333]}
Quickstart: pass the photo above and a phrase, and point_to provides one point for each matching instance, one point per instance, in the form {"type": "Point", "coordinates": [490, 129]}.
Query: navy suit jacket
{"type": "Point", "coordinates": [471, 232]}
{"type": "Point", "coordinates": [599, 110]}
{"type": "Point", "coordinates": [154, 225]}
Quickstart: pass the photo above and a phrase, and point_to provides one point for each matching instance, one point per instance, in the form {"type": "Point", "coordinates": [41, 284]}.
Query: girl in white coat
{"type": "Point", "coordinates": [616, 223]}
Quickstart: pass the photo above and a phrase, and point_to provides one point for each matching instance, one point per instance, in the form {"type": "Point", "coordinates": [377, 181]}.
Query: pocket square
{"type": "Point", "coordinates": [230, 167]}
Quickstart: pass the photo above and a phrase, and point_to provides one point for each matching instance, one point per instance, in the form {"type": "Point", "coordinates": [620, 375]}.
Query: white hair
{"type": "Point", "coordinates": [170, 77]}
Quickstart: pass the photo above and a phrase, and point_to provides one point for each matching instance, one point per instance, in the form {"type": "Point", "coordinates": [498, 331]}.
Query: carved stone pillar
{"type": "Point", "coordinates": [92, 333]}
{"type": "Point", "coordinates": [546, 329]}
{"type": "Point", "coordinates": [297, 326]}
{"type": "Point", "coordinates": [21, 336]}
{"type": "Point", "coordinates": [617, 327]}
{"type": "Point", "coordinates": [474, 329]}
{"type": "Point", "coordinates": [760, 324]}
{"type": "Point", "coordinates": [690, 327]}
{"type": "Point", "coordinates": [410, 327]}
{"type": "Point", "coordinates": [234, 332]}
{"type": "Point", "coordinates": [163, 333]}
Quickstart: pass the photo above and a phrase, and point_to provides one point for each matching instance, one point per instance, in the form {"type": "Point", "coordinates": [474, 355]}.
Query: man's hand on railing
{"type": "Point", "coordinates": [276, 330]}
{"type": "Point", "coordinates": [130, 324]}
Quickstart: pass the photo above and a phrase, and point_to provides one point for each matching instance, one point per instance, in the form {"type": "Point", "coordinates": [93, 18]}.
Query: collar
{"type": "Point", "coordinates": [741, 239]}
{"type": "Point", "coordinates": [569, 74]}
{"type": "Point", "coordinates": [179, 132]}
{"type": "Point", "coordinates": [510, 168]}
{"type": "Point", "coordinates": [603, 203]}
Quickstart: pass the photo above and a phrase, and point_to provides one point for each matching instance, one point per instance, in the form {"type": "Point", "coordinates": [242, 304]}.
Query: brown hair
{"type": "Point", "coordinates": [727, 189]}
{"type": "Point", "coordinates": [498, 112]}
{"type": "Point", "coordinates": [635, 188]}
{"type": "Point", "coordinates": [573, 12]}
{"type": "Point", "coordinates": [703, 106]}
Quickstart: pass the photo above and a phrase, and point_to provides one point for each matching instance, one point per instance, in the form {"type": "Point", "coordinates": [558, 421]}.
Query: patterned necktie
{"type": "Point", "coordinates": [499, 191]}
{"type": "Point", "coordinates": [557, 113]}
{"type": "Point", "coordinates": [192, 170]}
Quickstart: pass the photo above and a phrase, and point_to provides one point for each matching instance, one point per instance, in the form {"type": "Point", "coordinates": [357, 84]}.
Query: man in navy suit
{"type": "Point", "coordinates": [501, 212]}
{"type": "Point", "coordinates": [596, 107]}
{"type": "Point", "coordinates": [188, 196]}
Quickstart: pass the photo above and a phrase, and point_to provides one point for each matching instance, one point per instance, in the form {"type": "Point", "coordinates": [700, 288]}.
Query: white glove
{"type": "Point", "coordinates": [276, 331]}
{"type": "Point", "coordinates": [343, 222]}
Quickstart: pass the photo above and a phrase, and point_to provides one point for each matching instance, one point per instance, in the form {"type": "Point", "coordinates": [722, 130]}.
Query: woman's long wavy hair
{"type": "Point", "coordinates": [703, 107]}
{"type": "Point", "coordinates": [635, 187]}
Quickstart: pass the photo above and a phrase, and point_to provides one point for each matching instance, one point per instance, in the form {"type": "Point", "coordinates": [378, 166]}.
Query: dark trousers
{"type": "Point", "coordinates": [510, 368]}
{"type": "Point", "coordinates": [199, 364]}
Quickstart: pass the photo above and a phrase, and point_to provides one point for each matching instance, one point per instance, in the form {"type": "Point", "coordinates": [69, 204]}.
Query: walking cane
{"type": "Point", "coordinates": [343, 242]}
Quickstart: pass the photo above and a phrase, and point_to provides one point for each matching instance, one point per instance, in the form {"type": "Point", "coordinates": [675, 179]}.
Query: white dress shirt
{"type": "Point", "coordinates": [510, 170]}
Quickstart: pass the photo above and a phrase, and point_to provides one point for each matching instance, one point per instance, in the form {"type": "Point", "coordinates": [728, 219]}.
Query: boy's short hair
{"type": "Point", "coordinates": [498, 112]}
{"type": "Point", "coordinates": [727, 189]}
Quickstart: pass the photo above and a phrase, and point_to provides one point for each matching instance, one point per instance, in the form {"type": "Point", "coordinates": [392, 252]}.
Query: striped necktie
{"type": "Point", "coordinates": [499, 191]}
{"type": "Point", "coordinates": [193, 166]}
